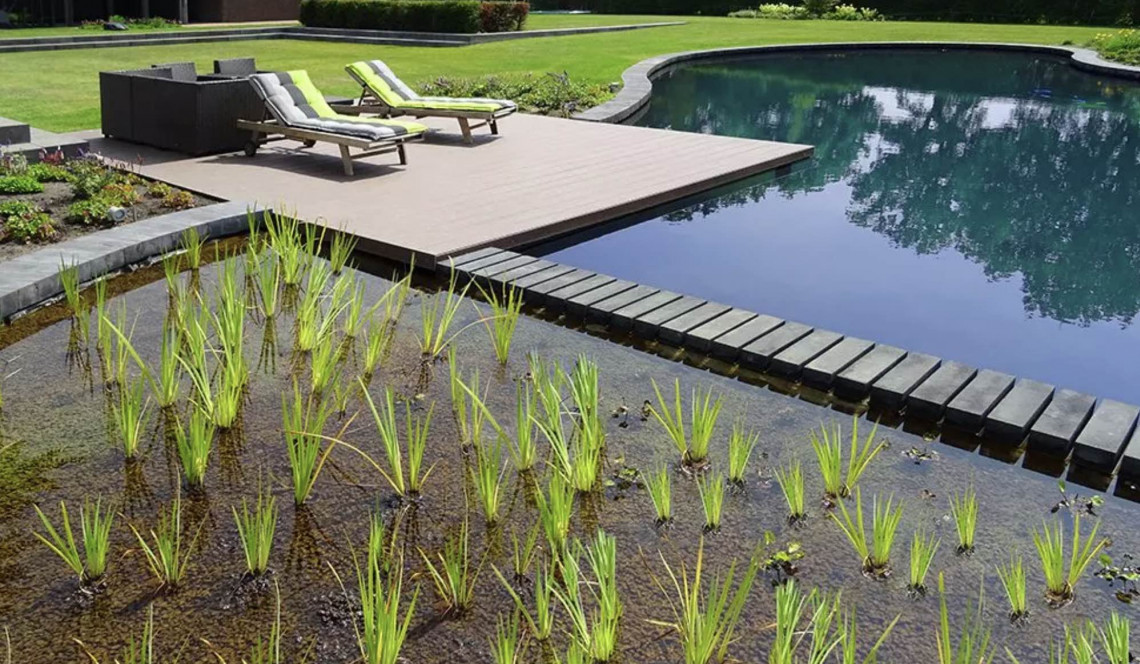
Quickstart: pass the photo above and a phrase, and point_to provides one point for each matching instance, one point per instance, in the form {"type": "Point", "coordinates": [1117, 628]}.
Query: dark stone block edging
{"type": "Point", "coordinates": [1055, 422]}
{"type": "Point", "coordinates": [637, 81]}
{"type": "Point", "coordinates": [28, 280]}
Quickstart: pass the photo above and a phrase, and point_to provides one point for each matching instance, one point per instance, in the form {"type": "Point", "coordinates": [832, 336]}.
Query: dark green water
{"type": "Point", "coordinates": [983, 207]}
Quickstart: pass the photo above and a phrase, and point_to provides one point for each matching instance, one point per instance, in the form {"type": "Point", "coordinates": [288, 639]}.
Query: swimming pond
{"type": "Point", "coordinates": [979, 206]}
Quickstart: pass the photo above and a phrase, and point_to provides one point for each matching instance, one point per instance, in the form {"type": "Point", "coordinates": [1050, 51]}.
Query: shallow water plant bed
{"type": "Point", "coordinates": [408, 504]}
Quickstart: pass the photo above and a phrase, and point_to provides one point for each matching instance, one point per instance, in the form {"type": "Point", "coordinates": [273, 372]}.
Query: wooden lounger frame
{"type": "Point", "coordinates": [369, 103]}
{"type": "Point", "coordinates": [269, 130]}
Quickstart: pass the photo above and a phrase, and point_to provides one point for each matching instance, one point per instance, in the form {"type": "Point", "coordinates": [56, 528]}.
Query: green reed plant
{"type": "Point", "coordinates": [506, 647]}
{"type": "Point", "coordinates": [524, 551]}
{"type": "Point", "coordinates": [595, 631]}
{"type": "Point", "coordinates": [285, 239]}
{"type": "Point", "coordinates": [1060, 583]}
{"type": "Point", "coordinates": [312, 322]}
{"type": "Point", "coordinates": [487, 477]}
{"type": "Point", "coordinates": [712, 499]}
{"type": "Point", "coordinates": [192, 245]}
{"type": "Point", "coordinates": [693, 445]}
{"type": "Point", "coordinates": [324, 364]}
{"type": "Point", "coordinates": [303, 423]}
{"type": "Point", "coordinates": [741, 444]}
{"type": "Point", "coordinates": [95, 531]}
{"type": "Point", "coordinates": [355, 314]}
{"type": "Point", "coordinates": [505, 311]}
{"type": "Point", "coordinates": [884, 525]}
{"type": "Point", "coordinates": [524, 453]}
{"type": "Point", "coordinates": [171, 270]}
{"type": "Point", "coordinates": [139, 651]}
{"type": "Point", "coordinates": [268, 277]}
{"type": "Point", "coordinates": [791, 481]}
{"type": "Point", "coordinates": [964, 509]}
{"type": "Point", "coordinates": [1013, 578]}
{"type": "Point", "coordinates": [541, 623]}
{"type": "Point", "coordinates": [256, 527]}
{"type": "Point", "coordinates": [385, 420]}
{"type": "Point", "coordinates": [828, 446]}
{"type": "Point", "coordinates": [436, 318]}
{"type": "Point", "coordinates": [459, 396]}
{"type": "Point", "coordinates": [849, 645]}
{"type": "Point", "coordinates": [922, 550]}
{"type": "Point", "coordinates": [165, 554]}
{"type": "Point", "coordinates": [382, 632]}
{"type": "Point", "coordinates": [169, 370]}
{"type": "Point", "coordinates": [659, 485]}
{"type": "Point", "coordinates": [194, 444]}
{"type": "Point", "coordinates": [974, 640]}
{"type": "Point", "coordinates": [267, 651]}
{"type": "Point", "coordinates": [793, 606]}
{"type": "Point", "coordinates": [452, 573]}
{"type": "Point", "coordinates": [555, 507]}
{"type": "Point", "coordinates": [340, 250]}
{"type": "Point", "coordinates": [69, 281]}
{"type": "Point", "coordinates": [375, 345]}
{"type": "Point", "coordinates": [130, 415]}
{"type": "Point", "coordinates": [705, 616]}
{"type": "Point", "coordinates": [1114, 638]}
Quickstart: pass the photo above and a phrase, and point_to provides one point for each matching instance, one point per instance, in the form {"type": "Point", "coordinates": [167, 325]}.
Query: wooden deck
{"type": "Point", "coordinates": [541, 178]}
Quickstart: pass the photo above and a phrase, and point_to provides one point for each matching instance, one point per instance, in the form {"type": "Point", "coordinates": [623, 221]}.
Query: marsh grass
{"type": "Point", "coordinates": [165, 554]}
{"type": "Point", "coordinates": [459, 396]}
{"type": "Point", "coordinates": [341, 248]}
{"type": "Point", "coordinates": [268, 277]}
{"type": "Point", "coordinates": [405, 483]}
{"type": "Point", "coordinates": [324, 364]}
{"type": "Point", "coordinates": [974, 639]}
{"type": "Point", "coordinates": [452, 573]}
{"type": "Point", "coordinates": [1060, 583]}
{"type": "Point", "coordinates": [524, 551]}
{"type": "Point", "coordinates": [436, 318]}
{"type": "Point", "coordinates": [505, 311]}
{"type": "Point", "coordinates": [741, 444]}
{"type": "Point", "coordinates": [69, 281]}
{"type": "Point", "coordinates": [524, 452]}
{"type": "Point", "coordinates": [791, 481]}
{"type": "Point", "coordinates": [506, 646]}
{"type": "Point", "coordinates": [487, 477]}
{"type": "Point", "coordinates": [140, 651]}
{"type": "Point", "coordinates": [194, 443]}
{"type": "Point", "coordinates": [284, 235]}
{"type": "Point", "coordinates": [541, 622]}
{"type": "Point", "coordinates": [355, 314]}
{"type": "Point", "coordinates": [1114, 638]}
{"type": "Point", "coordinates": [922, 550]}
{"type": "Point", "coordinates": [594, 631]}
{"type": "Point", "coordinates": [659, 485]}
{"type": "Point", "coordinates": [192, 244]}
{"type": "Point", "coordinates": [312, 322]}
{"type": "Point", "coordinates": [1012, 578]}
{"type": "Point", "coordinates": [303, 423]}
{"type": "Point", "coordinates": [692, 445]}
{"type": "Point", "coordinates": [130, 414]}
{"type": "Point", "coordinates": [256, 528]}
{"type": "Point", "coordinates": [712, 499]}
{"type": "Point", "coordinates": [964, 510]}
{"type": "Point", "coordinates": [90, 565]}
{"type": "Point", "coordinates": [885, 520]}
{"type": "Point", "coordinates": [828, 446]}
{"type": "Point", "coordinates": [555, 507]}
{"type": "Point", "coordinates": [169, 370]}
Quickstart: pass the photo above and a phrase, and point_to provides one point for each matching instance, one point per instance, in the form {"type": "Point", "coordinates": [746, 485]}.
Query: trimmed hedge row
{"type": "Point", "coordinates": [463, 16]}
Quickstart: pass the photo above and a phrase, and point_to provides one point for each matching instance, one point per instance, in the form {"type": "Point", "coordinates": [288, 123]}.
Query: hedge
{"type": "Point", "coordinates": [463, 16]}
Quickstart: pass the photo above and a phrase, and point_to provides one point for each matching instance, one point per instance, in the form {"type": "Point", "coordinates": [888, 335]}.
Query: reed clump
{"type": "Point", "coordinates": [692, 442]}
{"type": "Point", "coordinates": [89, 563]}
{"type": "Point", "coordinates": [828, 446]}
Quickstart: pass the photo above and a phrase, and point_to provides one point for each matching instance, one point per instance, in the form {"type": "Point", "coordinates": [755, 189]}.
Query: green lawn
{"type": "Point", "coordinates": [74, 31]}
{"type": "Point", "coordinates": [59, 90]}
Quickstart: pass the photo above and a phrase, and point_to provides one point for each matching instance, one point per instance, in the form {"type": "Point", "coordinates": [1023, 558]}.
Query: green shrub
{"type": "Point", "coordinates": [121, 194]}
{"type": "Point", "coordinates": [89, 211]}
{"type": "Point", "coordinates": [89, 176]}
{"type": "Point", "coordinates": [24, 221]}
{"type": "Point", "coordinates": [48, 172]}
{"type": "Point", "coordinates": [178, 200]}
{"type": "Point", "coordinates": [853, 13]}
{"type": "Point", "coordinates": [550, 94]}
{"type": "Point", "coordinates": [819, 7]}
{"type": "Point", "coordinates": [1121, 46]}
{"type": "Point", "coordinates": [13, 164]}
{"type": "Point", "coordinates": [19, 184]}
{"type": "Point", "coordinates": [158, 189]}
{"type": "Point", "coordinates": [410, 15]}
{"type": "Point", "coordinates": [498, 16]}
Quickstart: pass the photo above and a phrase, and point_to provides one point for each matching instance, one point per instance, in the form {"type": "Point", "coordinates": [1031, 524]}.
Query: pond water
{"type": "Point", "coordinates": [982, 207]}
{"type": "Point", "coordinates": [57, 444]}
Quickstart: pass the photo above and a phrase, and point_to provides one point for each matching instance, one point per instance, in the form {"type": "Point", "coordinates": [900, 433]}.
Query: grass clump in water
{"type": "Point", "coordinates": [1060, 582]}
{"type": "Point", "coordinates": [659, 485]}
{"type": "Point", "coordinates": [1012, 578]}
{"type": "Point", "coordinates": [693, 444]}
{"type": "Point", "coordinates": [192, 244]}
{"type": "Point", "coordinates": [594, 632]}
{"type": "Point", "coordinates": [506, 647]}
{"type": "Point", "coordinates": [741, 444]}
{"type": "Point", "coordinates": [451, 573]}
{"type": "Point", "coordinates": [409, 483]}
{"type": "Point", "coordinates": [555, 507]}
{"type": "Point", "coordinates": [165, 554]}
{"type": "Point", "coordinates": [828, 446]}
{"type": "Point", "coordinates": [974, 641]}
{"type": "Point", "coordinates": [964, 509]}
{"type": "Point", "coordinates": [505, 311]}
{"type": "Point", "coordinates": [194, 444]}
{"type": "Point", "coordinates": [437, 317]}
{"type": "Point", "coordinates": [791, 483]}
{"type": "Point", "coordinates": [256, 528]}
{"type": "Point", "coordinates": [922, 550]}
{"type": "Point", "coordinates": [884, 525]}
{"type": "Point", "coordinates": [712, 499]}
{"type": "Point", "coordinates": [130, 413]}
{"type": "Point", "coordinates": [90, 565]}
{"type": "Point", "coordinates": [303, 424]}
{"type": "Point", "coordinates": [487, 476]}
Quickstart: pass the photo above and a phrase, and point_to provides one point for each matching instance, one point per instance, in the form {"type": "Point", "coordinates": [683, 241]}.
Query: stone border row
{"type": "Point", "coordinates": [28, 280]}
{"type": "Point", "coordinates": [637, 81]}
{"type": "Point", "coordinates": [375, 37]}
{"type": "Point", "coordinates": [1102, 437]}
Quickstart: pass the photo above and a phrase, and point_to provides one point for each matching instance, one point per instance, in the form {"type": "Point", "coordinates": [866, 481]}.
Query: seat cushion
{"type": "Point", "coordinates": [389, 89]}
{"type": "Point", "coordinates": [464, 104]}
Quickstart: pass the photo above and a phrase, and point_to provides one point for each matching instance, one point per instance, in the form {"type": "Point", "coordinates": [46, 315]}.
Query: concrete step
{"type": "Point", "coordinates": [13, 132]}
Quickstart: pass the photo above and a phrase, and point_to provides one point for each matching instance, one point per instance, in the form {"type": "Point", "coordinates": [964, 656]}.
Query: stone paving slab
{"type": "Point", "coordinates": [580, 304]}
{"type": "Point", "coordinates": [728, 345]}
{"type": "Point", "coordinates": [897, 384]}
{"type": "Point", "coordinates": [623, 317]}
{"type": "Point", "coordinates": [791, 360]}
{"type": "Point", "coordinates": [482, 273]}
{"type": "Point", "coordinates": [930, 398]}
{"type": "Point", "coordinates": [505, 278]}
{"type": "Point", "coordinates": [485, 261]}
{"type": "Point", "coordinates": [855, 381]}
{"type": "Point", "coordinates": [458, 261]}
{"type": "Point", "coordinates": [759, 353]}
{"type": "Point", "coordinates": [1063, 418]}
{"type": "Point", "coordinates": [649, 324]}
{"type": "Point", "coordinates": [601, 311]}
{"type": "Point", "coordinates": [1101, 442]}
{"type": "Point", "coordinates": [532, 280]}
{"type": "Point", "coordinates": [822, 370]}
{"type": "Point", "coordinates": [1130, 464]}
{"type": "Point", "coordinates": [701, 337]}
{"type": "Point", "coordinates": [976, 400]}
{"type": "Point", "coordinates": [1019, 409]}
{"type": "Point", "coordinates": [675, 330]}
{"type": "Point", "coordinates": [556, 298]}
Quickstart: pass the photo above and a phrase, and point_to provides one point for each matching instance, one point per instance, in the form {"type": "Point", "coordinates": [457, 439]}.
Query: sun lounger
{"type": "Point", "coordinates": [296, 110]}
{"type": "Point", "coordinates": [384, 94]}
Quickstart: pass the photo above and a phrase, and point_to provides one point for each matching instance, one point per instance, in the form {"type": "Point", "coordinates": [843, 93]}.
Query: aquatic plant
{"type": "Point", "coordinates": [268, 277]}
{"type": "Point", "coordinates": [973, 642]}
{"type": "Point", "coordinates": [453, 577]}
{"type": "Point", "coordinates": [595, 632]}
{"type": "Point", "coordinates": [130, 415]}
{"type": "Point", "coordinates": [69, 281]}
{"type": "Point", "coordinates": [523, 551]}
{"type": "Point", "coordinates": [167, 558]}
{"type": "Point", "coordinates": [693, 445]}
{"type": "Point", "coordinates": [705, 618]}
{"type": "Point", "coordinates": [505, 312]}
{"type": "Point", "coordinates": [324, 364]}
{"type": "Point", "coordinates": [506, 648]}
{"type": "Point", "coordinates": [355, 313]}
{"type": "Point", "coordinates": [659, 486]}
{"type": "Point", "coordinates": [524, 452]}
{"type": "Point", "coordinates": [584, 458]}
{"type": "Point", "coordinates": [312, 322]}
{"type": "Point", "coordinates": [376, 344]}
{"type": "Point", "coordinates": [541, 623]}
{"type": "Point", "coordinates": [1114, 637]}
{"type": "Point", "coordinates": [1013, 581]}
{"type": "Point", "coordinates": [828, 448]}
{"type": "Point", "coordinates": [139, 651]}
{"type": "Point", "coordinates": [848, 645]}
{"type": "Point", "coordinates": [487, 477]}
{"type": "Point", "coordinates": [256, 528]}
{"type": "Point", "coordinates": [821, 611]}
{"type": "Point", "coordinates": [884, 524]}
{"type": "Point", "coordinates": [285, 239]}
{"type": "Point", "coordinates": [741, 444]}
{"type": "Point", "coordinates": [555, 507]}
{"type": "Point", "coordinates": [192, 244]}
{"type": "Point", "coordinates": [964, 509]}
{"type": "Point", "coordinates": [1060, 584]}
{"type": "Point", "coordinates": [303, 423]}
{"type": "Point", "coordinates": [416, 432]}
{"type": "Point", "coordinates": [171, 269]}
{"type": "Point", "coordinates": [436, 318]}
{"type": "Point", "coordinates": [95, 530]}
{"type": "Point", "coordinates": [922, 550]}
{"type": "Point", "coordinates": [169, 370]}
{"type": "Point", "coordinates": [340, 250]}
{"type": "Point", "coordinates": [791, 483]}
{"type": "Point", "coordinates": [712, 499]}
{"type": "Point", "coordinates": [194, 444]}
{"type": "Point", "coordinates": [267, 651]}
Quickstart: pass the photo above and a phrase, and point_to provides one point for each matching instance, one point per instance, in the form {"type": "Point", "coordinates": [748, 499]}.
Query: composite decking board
{"type": "Point", "coordinates": [1018, 410]}
{"type": "Point", "coordinates": [531, 280]}
{"type": "Point", "coordinates": [674, 331]}
{"type": "Point", "coordinates": [728, 345]}
{"type": "Point", "coordinates": [539, 290]}
{"type": "Point", "coordinates": [791, 360]}
{"type": "Point", "coordinates": [486, 261]}
{"type": "Point", "coordinates": [970, 407]}
{"type": "Point", "coordinates": [856, 380]}
{"type": "Point", "coordinates": [701, 337]}
{"type": "Point", "coordinates": [1061, 421]}
{"type": "Point", "coordinates": [579, 304]}
{"type": "Point", "coordinates": [492, 270]}
{"type": "Point", "coordinates": [1102, 440]}
{"type": "Point", "coordinates": [930, 398]}
{"type": "Point", "coordinates": [601, 310]}
{"type": "Point", "coordinates": [823, 369]}
{"type": "Point", "coordinates": [649, 324]}
{"type": "Point", "coordinates": [505, 278]}
{"type": "Point", "coordinates": [759, 352]}
{"type": "Point", "coordinates": [895, 386]}
{"type": "Point", "coordinates": [624, 316]}
{"type": "Point", "coordinates": [1130, 463]}
{"type": "Point", "coordinates": [457, 261]}
{"type": "Point", "coordinates": [557, 297]}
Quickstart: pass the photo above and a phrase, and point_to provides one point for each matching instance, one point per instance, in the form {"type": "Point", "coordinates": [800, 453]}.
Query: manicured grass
{"type": "Point", "coordinates": [71, 31]}
{"type": "Point", "coordinates": [59, 90]}
{"type": "Point", "coordinates": [553, 21]}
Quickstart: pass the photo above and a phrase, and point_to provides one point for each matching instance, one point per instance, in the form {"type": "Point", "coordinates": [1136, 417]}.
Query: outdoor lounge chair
{"type": "Point", "coordinates": [384, 94]}
{"type": "Point", "coordinates": [300, 113]}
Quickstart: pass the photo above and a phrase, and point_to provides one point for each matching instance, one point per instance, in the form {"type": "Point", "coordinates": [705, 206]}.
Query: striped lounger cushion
{"type": "Point", "coordinates": [295, 102]}
{"type": "Point", "coordinates": [378, 77]}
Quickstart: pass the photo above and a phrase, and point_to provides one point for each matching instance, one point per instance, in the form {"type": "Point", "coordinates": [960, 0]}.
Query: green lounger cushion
{"type": "Point", "coordinates": [389, 89]}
